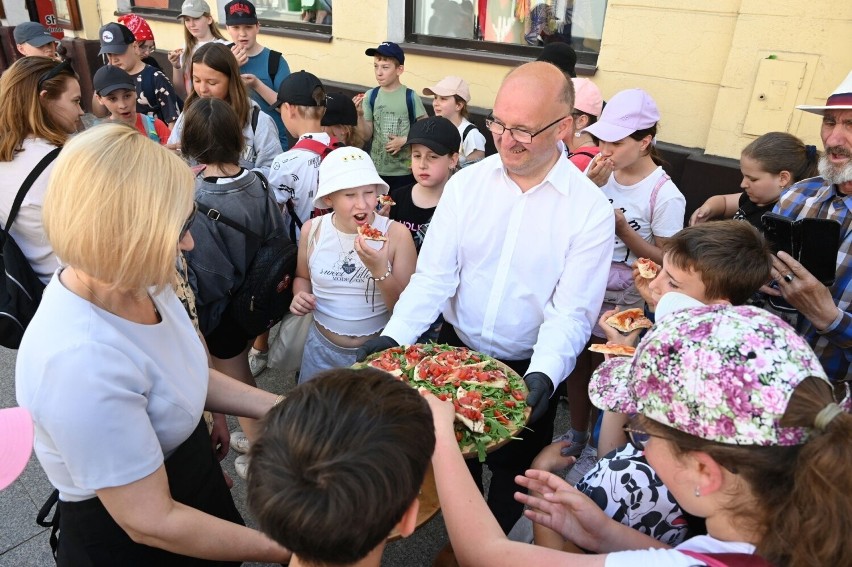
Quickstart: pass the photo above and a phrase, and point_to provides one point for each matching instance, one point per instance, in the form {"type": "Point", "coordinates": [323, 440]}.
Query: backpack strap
{"type": "Point", "coordinates": [272, 64]}
{"type": "Point", "coordinates": [25, 186]}
{"type": "Point", "coordinates": [409, 102]}
{"type": "Point", "coordinates": [315, 146]}
{"type": "Point", "coordinates": [374, 92]}
{"type": "Point", "coordinates": [660, 182]}
{"type": "Point", "coordinates": [217, 216]}
{"type": "Point", "coordinates": [150, 130]}
{"type": "Point", "coordinates": [255, 115]}
{"type": "Point", "coordinates": [470, 128]}
{"type": "Point", "coordinates": [572, 154]}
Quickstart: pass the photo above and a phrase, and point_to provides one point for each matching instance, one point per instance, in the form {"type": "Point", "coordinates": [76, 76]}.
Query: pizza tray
{"type": "Point", "coordinates": [429, 504]}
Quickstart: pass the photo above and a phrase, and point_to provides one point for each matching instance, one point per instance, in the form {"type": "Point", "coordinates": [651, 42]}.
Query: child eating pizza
{"type": "Point", "coordinates": [353, 266]}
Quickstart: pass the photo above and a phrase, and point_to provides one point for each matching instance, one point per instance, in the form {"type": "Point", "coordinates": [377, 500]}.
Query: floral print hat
{"type": "Point", "coordinates": [717, 372]}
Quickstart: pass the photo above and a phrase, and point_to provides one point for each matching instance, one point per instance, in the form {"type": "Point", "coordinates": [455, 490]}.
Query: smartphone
{"type": "Point", "coordinates": [812, 242]}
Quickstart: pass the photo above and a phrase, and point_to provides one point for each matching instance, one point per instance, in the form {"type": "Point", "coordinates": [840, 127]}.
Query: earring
{"type": "Point", "coordinates": [697, 492]}
{"type": "Point", "coordinates": [577, 134]}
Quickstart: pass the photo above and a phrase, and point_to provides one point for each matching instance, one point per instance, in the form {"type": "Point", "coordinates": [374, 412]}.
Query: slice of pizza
{"type": "Point", "coordinates": [476, 374]}
{"type": "Point", "coordinates": [613, 349]}
{"type": "Point", "coordinates": [386, 200]}
{"type": "Point", "coordinates": [647, 268]}
{"type": "Point", "coordinates": [434, 373]}
{"type": "Point", "coordinates": [629, 320]}
{"type": "Point", "coordinates": [371, 233]}
{"type": "Point", "coordinates": [469, 406]}
{"type": "Point", "coordinates": [390, 361]}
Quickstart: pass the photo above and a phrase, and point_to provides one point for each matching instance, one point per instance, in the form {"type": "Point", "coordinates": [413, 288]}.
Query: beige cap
{"type": "Point", "coordinates": [449, 86]}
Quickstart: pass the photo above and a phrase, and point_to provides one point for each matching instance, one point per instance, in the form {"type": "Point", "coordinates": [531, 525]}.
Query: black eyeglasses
{"type": "Point", "coordinates": [189, 220]}
{"type": "Point", "coordinates": [518, 134]}
{"type": "Point", "coordinates": [64, 66]}
{"type": "Point", "coordinates": [638, 438]}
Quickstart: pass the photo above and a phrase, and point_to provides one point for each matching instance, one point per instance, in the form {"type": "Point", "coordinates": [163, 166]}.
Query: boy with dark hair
{"type": "Point", "coordinates": [386, 113]}
{"type": "Point", "coordinates": [119, 45]}
{"type": "Point", "coordinates": [293, 177]}
{"type": "Point", "coordinates": [339, 464]}
{"type": "Point", "coordinates": [265, 69]}
{"type": "Point", "coordinates": [115, 90]}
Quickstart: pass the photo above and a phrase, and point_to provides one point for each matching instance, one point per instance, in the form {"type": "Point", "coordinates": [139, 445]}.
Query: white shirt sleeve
{"type": "Point", "coordinates": [266, 143]}
{"type": "Point", "coordinates": [669, 211]}
{"type": "Point", "coordinates": [174, 137]}
{"type": "Point", "coordinates": [474, 141]}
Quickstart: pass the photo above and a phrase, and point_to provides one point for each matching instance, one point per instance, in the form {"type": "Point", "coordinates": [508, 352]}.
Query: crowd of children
{"type": "Point", "coordinates": [711, 437]}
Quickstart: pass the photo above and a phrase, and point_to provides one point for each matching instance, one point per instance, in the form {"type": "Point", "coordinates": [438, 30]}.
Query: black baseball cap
{"type": "Point", "coordinates": [560, 54]}
{"type": "Point", "coordinates": [436, 133]}
{"type": "Point", "coordinates": [388, 49]}
{"type": "Point", "coordinates": [298, 88]}
{"type": "Point", "coordinates": [339, 110]}
{"type": "Point", "coordinates": [239, 13]}
{"type": "Point", "coordinates": [110, 78]}
{"type": "Point", "coordinates": [115, 38]}
{"type": "Point", "coordinates": [33, 33]}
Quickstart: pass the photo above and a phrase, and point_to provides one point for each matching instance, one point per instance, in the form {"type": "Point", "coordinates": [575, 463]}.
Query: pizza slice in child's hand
{"type": "Point", "coordinates": [629, 320]}
{"type": "Point", "coordinates": [371, 233]}
{"type": "Point", "coordinates": [386, 200]}
{"type": "Point", "coordinates": [613, 349]}
{"type": "Point", "coordinates": [647, 268]}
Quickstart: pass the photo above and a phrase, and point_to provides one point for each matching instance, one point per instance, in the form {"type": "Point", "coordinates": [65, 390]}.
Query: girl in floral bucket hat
{"type": "Point", "coordinates": [734, 412]}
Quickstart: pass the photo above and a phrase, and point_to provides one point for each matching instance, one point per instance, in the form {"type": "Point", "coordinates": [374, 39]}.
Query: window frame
{"type": "Point", "coordinates": [74, 22]}
{"type": "Point", "coordinates": [481, 51]}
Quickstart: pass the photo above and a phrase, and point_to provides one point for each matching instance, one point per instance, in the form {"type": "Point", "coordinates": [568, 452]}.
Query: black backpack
{"type": "Point", "coordinates": [21, 292]}
{"type": "Point", "coordinates": [266, 292]}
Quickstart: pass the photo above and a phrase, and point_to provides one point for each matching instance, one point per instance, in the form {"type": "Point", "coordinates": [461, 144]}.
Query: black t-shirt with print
{"type": "Point", "coordinates": [415, 219]}
{"type": "Point", "coordinates": [750, 212]}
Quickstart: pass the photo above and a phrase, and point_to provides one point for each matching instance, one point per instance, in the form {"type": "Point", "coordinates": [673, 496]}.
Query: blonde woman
{"type": "Point", "coordinates": [115, 375]}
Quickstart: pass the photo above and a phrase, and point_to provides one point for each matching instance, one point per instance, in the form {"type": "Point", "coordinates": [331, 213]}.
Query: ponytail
{"type": "Point", "coordinates": [653, 152]}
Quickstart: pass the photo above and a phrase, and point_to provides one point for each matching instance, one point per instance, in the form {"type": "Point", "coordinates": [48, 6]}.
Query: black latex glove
{"type": "Point", "coordinates": [540, 388]}
{"type": "Point", "coordinates": [374, 345]}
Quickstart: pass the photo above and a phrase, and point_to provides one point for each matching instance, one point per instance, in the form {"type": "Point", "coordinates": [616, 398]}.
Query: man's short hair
{"type": "Point", "coordinates": [731, 257]}
{"type": "Point", "coordinates": [338, 463]}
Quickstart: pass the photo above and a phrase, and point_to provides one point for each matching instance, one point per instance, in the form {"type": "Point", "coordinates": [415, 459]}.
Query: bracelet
{"type": "Point", "coordinates": [383, 278]}
{"type": "Point", "coordinates": [278, 400]}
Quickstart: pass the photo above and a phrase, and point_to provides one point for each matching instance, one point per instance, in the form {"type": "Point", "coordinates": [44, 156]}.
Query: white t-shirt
{"type": "Point", "coordinates": [111, 399]}
{"type": "Point", "coordinates": [28, 230]}
{"type": "Point", "coordinates": [474, 141]}
{"type": "Point", "coordinates": [295, 173]}
{"type": "Point", "coordinates": [262, 144]}
{"type": "Point", "coordinates": [672, 558]}
{"type": "Point", "coordinates": [635, 202]}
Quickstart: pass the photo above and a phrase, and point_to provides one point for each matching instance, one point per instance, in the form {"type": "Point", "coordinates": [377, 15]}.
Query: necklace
{"type": "Point", "coordinates": [347, 256]}
{"type": "Point", "coordinates": [102, 302]}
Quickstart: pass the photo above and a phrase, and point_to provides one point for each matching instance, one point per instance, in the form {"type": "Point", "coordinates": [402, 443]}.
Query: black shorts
{"type": "Point", "coordinates": [228, 339]}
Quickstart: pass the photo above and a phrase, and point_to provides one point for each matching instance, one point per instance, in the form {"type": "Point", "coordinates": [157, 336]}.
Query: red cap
{"type": "Point", "coordinates": [140, 28]}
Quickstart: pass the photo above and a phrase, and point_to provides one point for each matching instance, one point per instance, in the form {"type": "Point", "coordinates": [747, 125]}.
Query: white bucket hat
{"type": "Point", "coordinates": [345, 168]}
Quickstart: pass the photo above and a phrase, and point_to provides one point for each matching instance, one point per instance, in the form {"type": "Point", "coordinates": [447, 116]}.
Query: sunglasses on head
{"type": "Point", "coordinates": [64, 66]}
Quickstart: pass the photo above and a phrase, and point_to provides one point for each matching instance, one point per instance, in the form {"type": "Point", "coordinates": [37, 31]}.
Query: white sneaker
{"type": "Point", "coordinates": [239, 442]}
{"type": "Point", "coordinates": [257, 361]}
{"type": "Point", "coordinates": [587, 459]}
{"type": "Point", "coordinates": [241, 465]}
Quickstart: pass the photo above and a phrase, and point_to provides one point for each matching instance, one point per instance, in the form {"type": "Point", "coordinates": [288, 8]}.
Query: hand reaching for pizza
{"type": "Point", "coordinates": [564, 509]}
{"type": "Point", "coordinates": [443, 415]}
{"type": "Point", "coordinates": [303, 303]}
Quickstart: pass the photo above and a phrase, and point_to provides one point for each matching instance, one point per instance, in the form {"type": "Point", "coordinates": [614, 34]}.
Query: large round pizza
{"type": "Point", "coordinates": [490, 397]}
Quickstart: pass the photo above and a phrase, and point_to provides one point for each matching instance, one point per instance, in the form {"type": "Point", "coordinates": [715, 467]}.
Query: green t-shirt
{"type": "Point", "coordinates": [390, 117]}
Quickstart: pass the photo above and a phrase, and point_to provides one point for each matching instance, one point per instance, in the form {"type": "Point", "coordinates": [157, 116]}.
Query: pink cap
{"type": "Point", "coordinates": [449, 86]}
{"type": "Point", "coordinates": [626, 112]}
{"type": "Point", "coordinates": [16, 443]}
{"type": "Point", "coordinates": [587, 97]}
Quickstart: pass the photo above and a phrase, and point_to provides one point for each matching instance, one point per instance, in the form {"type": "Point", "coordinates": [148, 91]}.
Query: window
{"type": "Point", "coordinates": [68, 14]}
{"type": "Point", "coordinates": [510, 27]}
{"type": "Point", "coordinates": [305, 15]}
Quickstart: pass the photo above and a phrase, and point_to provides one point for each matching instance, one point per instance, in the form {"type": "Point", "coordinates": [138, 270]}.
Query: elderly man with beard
{"type": "Point", "coordinates": [826, 312]}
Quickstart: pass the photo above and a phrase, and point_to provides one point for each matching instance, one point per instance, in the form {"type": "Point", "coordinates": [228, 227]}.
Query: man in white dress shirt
{"type": "Point", "coordinates": [516, 258]}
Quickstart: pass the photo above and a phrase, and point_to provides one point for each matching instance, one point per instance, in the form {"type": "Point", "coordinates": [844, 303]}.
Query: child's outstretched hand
{"type": "Point", "coordinates": [395, 144]}
{"type": "Point", "coordinates": [174, 57]}
{"type": "Point", "coordinates": [550, 458]}
{"type": "Point", "coordinates": [443, 413]}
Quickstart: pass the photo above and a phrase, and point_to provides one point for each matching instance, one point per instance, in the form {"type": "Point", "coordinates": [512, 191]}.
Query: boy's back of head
{"type": "Point", "coordinates": [731, 257]}
{"type": "Point", "coordinates": [338, 463]}
{"type": "Point", "coordinates": [306, 94]}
